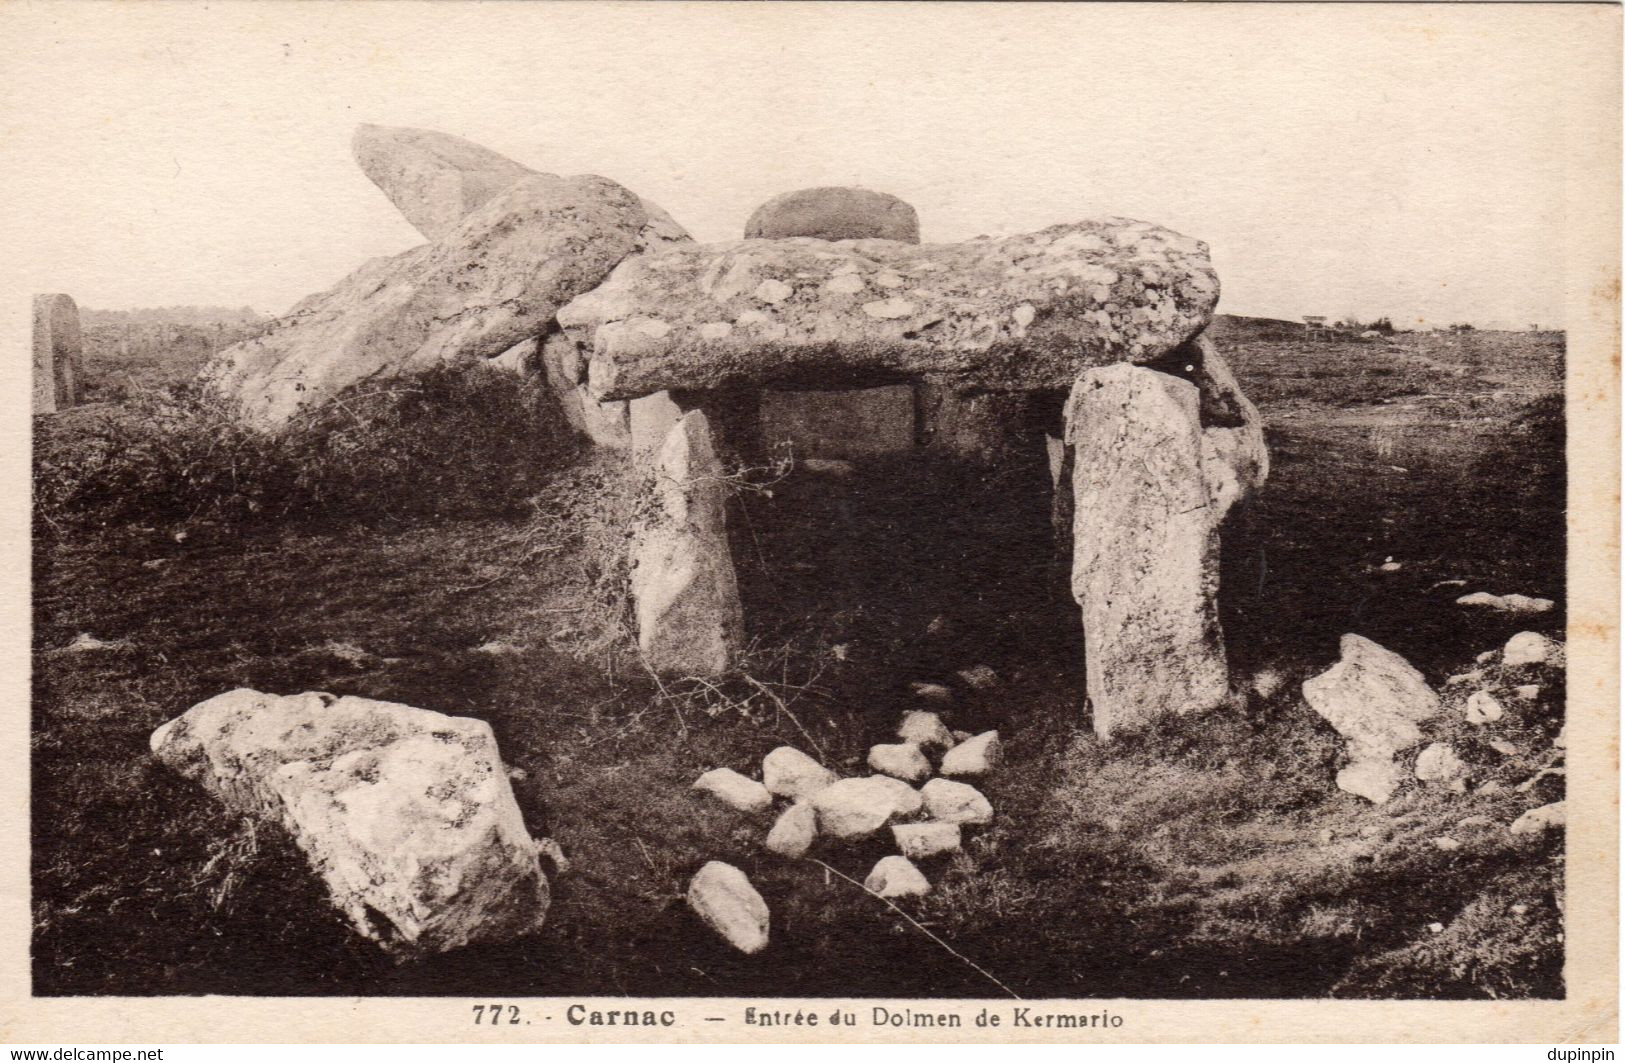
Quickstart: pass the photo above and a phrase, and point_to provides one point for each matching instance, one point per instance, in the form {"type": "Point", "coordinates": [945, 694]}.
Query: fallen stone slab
{"type": "Point", "coordinates": [926, 730]}
{"type": "Point", "coordinates": [855, 808]}
{"type": "Point", "coordinates": [794, 831]}
{"type": "Point", "coordinates": [974, 756]}
{"type": "Point", "coordinates": [497, 278]}
{"type": "Point", "coordinates": [1019, 313]}
{"type": "Point", "coordinates": [788, 772]}
{"type": "Point", "coordinates": [955, 802]}
{"type": "Point", "coordinates": [903, 761]}
{"type": "Point", "coordinates": [722, 896]}
{"type": "Point", "coordinates": [738, 792]}
{"type": "Point", "coordinates": [406, 814]}
{"type": "Point", "coordinates": [835, 213]}
{"type": "Point", "coordinates": [1373, 698]}
{"type": "Point", "coordinates": [896, 876]}
{"type": "Point", "coordinates": [920, 841]}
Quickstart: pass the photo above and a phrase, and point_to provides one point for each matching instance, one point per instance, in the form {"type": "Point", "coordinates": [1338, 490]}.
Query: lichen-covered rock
{"type": "Point", "coordinates": [902, 760]}
{"type": "Point", "coordinates": [919, 841]}
{"type": "Point", "coordinates": [896, 876]}
{"type": "Point", "coordinates": [794, 831]}
{"type": "Point", "coordinates": [956, 802]}
{"type": "Point", "coordinates": [406, 814]}
{"type": "Point", "coordinates": [1145, 564]}
{"type": "Point", "coordinates": [494, 279]}
{"type": "Point", "coordinates": [435, 179]}
{"type": "Point", "coordinates": [1373, 698]}
{"type": "Point", "coordinates": [853, 808]}
{"type": "Point", "coordinates": [58, 353]}
{"type": "Point", "coordinates": [788, 772]}
{"type": "Point", "coordinates": [974, 756]}
{"type": "Point", "coordinates": [1018, 313]}
{"type": "Point", "coordinates": [835, 213]}
{"type": "Point", "coordinates": [722, 896]}
{"type": "Point", "coordinates": [684, 589]}
{"type": "Point", "coordinates": [738, 792]}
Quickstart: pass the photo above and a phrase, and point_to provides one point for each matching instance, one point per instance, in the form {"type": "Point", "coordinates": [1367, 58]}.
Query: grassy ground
{"type": "Point", "coordinates": [1203, 860]}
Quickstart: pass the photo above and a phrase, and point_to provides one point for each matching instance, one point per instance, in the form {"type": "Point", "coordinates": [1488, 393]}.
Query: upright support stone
{"type": "Point", "coordinates": [1145, 566]}
{"type": "Point", "coordinates": [683, 583]}
{"type": "Point", "coordinates": [58, 350]}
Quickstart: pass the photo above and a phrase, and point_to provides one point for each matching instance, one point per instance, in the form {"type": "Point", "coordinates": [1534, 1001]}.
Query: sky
{"type": "Point", "coordinates": [1368, 160]}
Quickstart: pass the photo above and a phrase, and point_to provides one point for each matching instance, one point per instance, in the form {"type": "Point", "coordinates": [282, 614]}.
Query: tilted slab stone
{"type": "Point", "coordinates": [1146, 549]}
{"type": "Point", "coordinates": [684, 588]}
{"type": "Point", "coordinates": [1023, 312]}
{"type": "Point", "coordinates": [58, 353]}
{"type": "Point", "coordinates": [495, 279]}
{"type": "Point", "coordinates": [835, 213]}
{"type": "Point", "coordinates": [435, 179]}
{"type": "Point", "coordinates": [406, 814]}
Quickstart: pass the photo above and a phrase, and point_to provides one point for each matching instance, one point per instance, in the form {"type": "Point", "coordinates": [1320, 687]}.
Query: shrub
{"type": "Point", "coordinates": [447, 442]}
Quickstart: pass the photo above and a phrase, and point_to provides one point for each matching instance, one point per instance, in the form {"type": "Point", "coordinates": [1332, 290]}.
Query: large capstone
{"type": "Point", "coordinates": [1145, 551]}
{"type": "Point", "coordinates": [58, 353]}
{"type": "Point", "coordinates": [406, 814]}
{"type": "Point", "coordinates": [435, 179]}
{"type": "Point", "coordinates": [1019, 313]}
{"type": "Point", "coordinates": [835, 213]}
{"type": "Point", "coordinates": [683, 583]}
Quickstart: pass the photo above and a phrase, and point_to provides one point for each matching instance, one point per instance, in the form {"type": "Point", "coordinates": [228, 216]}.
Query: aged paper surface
{"type": "Point", "coordinates": [1413, 210]}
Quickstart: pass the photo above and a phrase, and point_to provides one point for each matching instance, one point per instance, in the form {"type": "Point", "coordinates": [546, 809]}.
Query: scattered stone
{"type": "Point", "coordinates": [1527, 647]}
{"type": "Point", "coordinates": [58, 353]}
{"type": "Point", "coordinates": [974, 756]}
{"type": "Point", "coordinates": [1475, 821]}
{"type": "Point", "coordinates": [683, 582]}
{"type": "Point", "coordinates": [1267, 682]}
{"type": "Point", "coordinates": [1519, 909]}
{"type": "Point", "coordinates": [900, 761]}
{"type": "Point", "coordinates": [1528, 691]}
{"type": "Point", "coordinates": [919, 841]}
{"type": "Point", "coordinates": [1482, 708]}
{"type": "Point", "coordinates": [1540, 820]}
{"type": "Point", "coordinates": [1435, 928]}
{"type": "Point", "coordinates": [853, 808]}
{"type": "Point", "coordinates": [1507, 603]}
{"type": "Point", "coordinates": [734, 790]}
{"type": "Point", "coordinates": [931, 691]}
{"type": "Point", "coordinates": [1438, 763]}
{"type": "Point", "coordinates": [498, 648]}
{"type": "Point", "coordinates": [795, 831]}
{"type": "Point", "coordinates": [1503, 747]}
{"type": "Point", "coordinates": [1533, 780]}
{"type": "Point", "coordinates": [788, 772]}
{"type": "Point", "coordinates": [724, 899]}
{"type": "Point", "coordinates": [1390, 566]}
{"type": "Point", "coordinates": [85, 642]}
{"type": "Point", "coordinates": [835, 213]}
{"type": "Point", "coordinates": [956, 802]}
{"type": "Point", "coordinates": [1461, 678]}
{"type": "Point", "coordinates": [1373, 779]}
{"type": "Point", "coordinates": [981, 677]}
{"type": "Point", "coordinates": [1373, 698]}
{"type": "Point", "coordinates": [406, 814]}
{"type": "Point", "coordinates": [1446, 844]}
{"type": "Point", "coordinates": [926, 730]}
{"type": "Point", "coordinates": [1485, 658]}
{"type": "Point", "coordinates": [939, 625]}
{"type": "Point", "coordinates": [896, 876]}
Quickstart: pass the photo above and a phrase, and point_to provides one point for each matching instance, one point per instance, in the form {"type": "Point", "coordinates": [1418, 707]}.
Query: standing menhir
{"type": "Point", "coordinates": [58, 351]}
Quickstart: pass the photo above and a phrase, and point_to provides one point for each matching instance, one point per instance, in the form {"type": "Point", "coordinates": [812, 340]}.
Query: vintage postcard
{"type": "Point", "coordinates": [811, 522]}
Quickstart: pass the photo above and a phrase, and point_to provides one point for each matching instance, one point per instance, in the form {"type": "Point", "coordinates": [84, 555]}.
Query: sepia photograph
{"type": "Point", "coordinates": [589, 511]}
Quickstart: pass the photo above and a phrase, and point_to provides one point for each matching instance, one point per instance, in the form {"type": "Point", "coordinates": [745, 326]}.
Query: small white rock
{"type": "Point", "coordinates": [1539, 820]}
{"type": "Point", "coordinates": [788, 772]}
{"type": "Point", "coordinates": [902, 760]}
{"type": "Point", "coordinates": [926, 730]}
{"type": "Point", "coordinates": [896, 877]}
{"type": "Point", "coordinates": [1436, 928]}
{"type": "Point", "coordinates": [1527, 647]}
{"type": "Point", "coordinates": [794, 832]}
{"type": "Point", "coordinates": [955, 802]}
{"type": "Point", "coordinates": [974, 756]}
{"type": "Point", "coordinates": [1482, 708]}
{"type": "Point", "coordinates": [723, 897]}
{"type": "Point", "coordinates": [735, 790]}
{"type": "Point", "coordinates": [918, 841]}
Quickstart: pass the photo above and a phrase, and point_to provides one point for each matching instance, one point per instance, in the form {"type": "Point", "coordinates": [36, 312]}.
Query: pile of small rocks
{"type": "Point", "coordinates": [816, 803]}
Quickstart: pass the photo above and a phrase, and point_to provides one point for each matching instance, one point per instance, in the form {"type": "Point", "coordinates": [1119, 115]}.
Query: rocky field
{"type": "Point", "coordinates": [1209, 857]}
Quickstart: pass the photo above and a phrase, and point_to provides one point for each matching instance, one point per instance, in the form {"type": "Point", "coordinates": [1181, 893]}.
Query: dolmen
{"type": "Point", "coordinates": [829, 325]}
